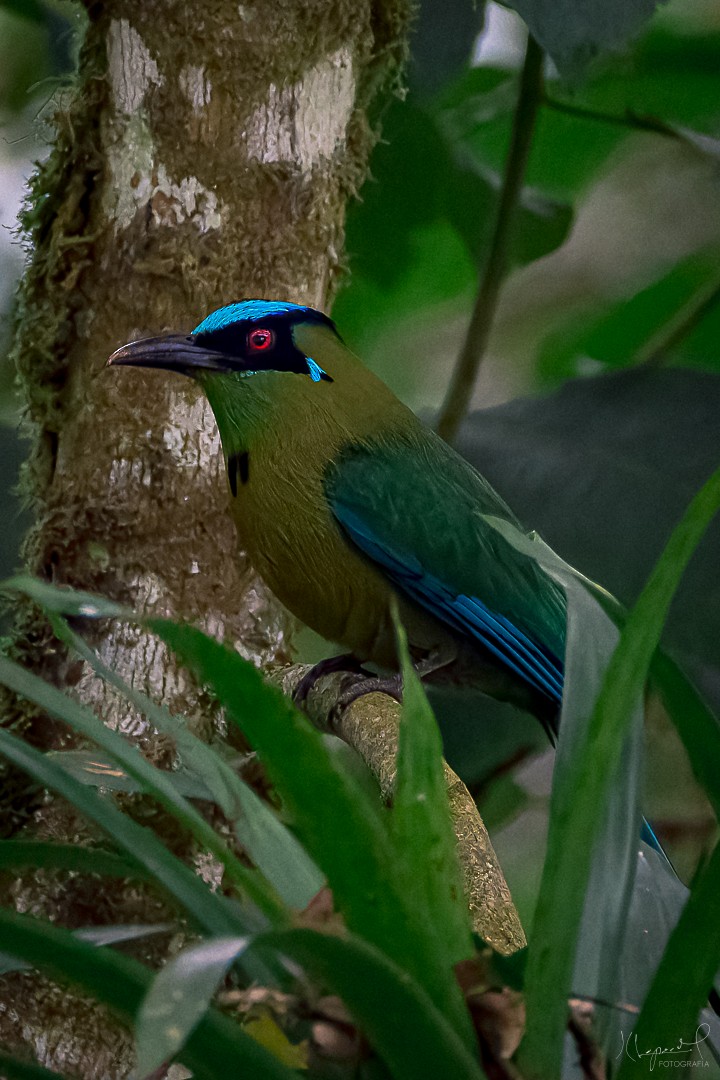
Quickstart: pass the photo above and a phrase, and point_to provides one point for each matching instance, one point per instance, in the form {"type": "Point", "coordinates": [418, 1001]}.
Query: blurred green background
{"type": "Point", "coordinates": [597, 409]}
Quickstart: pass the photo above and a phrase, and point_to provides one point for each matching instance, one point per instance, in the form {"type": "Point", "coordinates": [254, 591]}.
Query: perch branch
{"type": "Point", "coordinates": [370, 725]}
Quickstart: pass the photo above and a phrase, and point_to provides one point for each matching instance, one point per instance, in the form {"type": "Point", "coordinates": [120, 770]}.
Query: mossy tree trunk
{"type": "Point", "coordinates": [206, 154]}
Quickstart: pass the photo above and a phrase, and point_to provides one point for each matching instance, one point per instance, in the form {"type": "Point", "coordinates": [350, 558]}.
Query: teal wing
{"type": "Point", "coordinates": [418, 510]}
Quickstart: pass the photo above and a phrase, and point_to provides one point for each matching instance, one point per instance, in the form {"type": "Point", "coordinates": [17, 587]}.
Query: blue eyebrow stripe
{"type": "Point", "coordinates": [247, 310]}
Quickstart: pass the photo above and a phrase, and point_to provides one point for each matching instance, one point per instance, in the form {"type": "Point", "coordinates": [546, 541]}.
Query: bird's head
{"type": "Point", "coordinates": [241, 340]}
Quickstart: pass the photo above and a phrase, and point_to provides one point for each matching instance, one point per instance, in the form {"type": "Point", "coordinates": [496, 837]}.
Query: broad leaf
{"type": "Point", "coordinates": [604, 468]}
{"type": "Point", "coordinates": [573, 32]}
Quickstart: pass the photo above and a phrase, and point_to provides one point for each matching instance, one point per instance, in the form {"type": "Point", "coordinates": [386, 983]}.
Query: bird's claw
{"type": "Point", "coordinates": [391, 685]}
{"type": "Point", "coordinates": [345, 662]}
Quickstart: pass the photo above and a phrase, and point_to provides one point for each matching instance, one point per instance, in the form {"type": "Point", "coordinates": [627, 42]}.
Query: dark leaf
{"type": "Point", "coordinates": [604, 469]}
{"type": "Point", "coordinates": [573, 32]}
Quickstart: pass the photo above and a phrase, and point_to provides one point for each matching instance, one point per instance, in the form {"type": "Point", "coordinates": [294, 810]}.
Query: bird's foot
{"type": "Point", "coordinates": [374, 684]}
{"type": "Point", "coordinates": [393, 684]}
{"type": "Point", "coordinates": [344, 662]}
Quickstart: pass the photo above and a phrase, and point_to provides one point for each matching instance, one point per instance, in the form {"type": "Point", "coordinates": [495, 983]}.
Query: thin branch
{"type": "Point", "coordinates": [629, 119]}
{"type": "Point", "coordinates": [464, 377]}
{"type": "Point", "coordinates": [370, 725]}
{"type": "Point", "coordinates": [655, 350]}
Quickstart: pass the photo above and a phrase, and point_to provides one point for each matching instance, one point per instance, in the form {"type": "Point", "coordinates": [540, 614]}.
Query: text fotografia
{"type": "Point", "coordinates": [679, 1056]}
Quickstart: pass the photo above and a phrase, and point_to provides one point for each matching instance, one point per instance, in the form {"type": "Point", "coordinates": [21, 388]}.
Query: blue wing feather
{"type": "Point", "coordinates": [466, 614]}
{"type": "Point", "coordinates": [470, 616]}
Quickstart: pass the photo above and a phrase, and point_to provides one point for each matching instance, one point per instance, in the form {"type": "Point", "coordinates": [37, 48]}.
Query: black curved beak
{"type": "Point", "coordinates": [171, 352]}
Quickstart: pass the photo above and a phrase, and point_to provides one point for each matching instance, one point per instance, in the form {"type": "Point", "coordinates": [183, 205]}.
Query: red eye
{"type": "Point", "coordinates": [260, 340]}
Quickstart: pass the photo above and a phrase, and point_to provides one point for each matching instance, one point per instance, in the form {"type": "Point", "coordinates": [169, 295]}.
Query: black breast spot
{"type": "Point", "coordinates": [238, 465]}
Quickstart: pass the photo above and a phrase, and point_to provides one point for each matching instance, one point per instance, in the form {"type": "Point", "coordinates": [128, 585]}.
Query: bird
{"type": "Point", "coordinates": [347, 505]}
{"type": "Point", "coordinates": [352, 510]}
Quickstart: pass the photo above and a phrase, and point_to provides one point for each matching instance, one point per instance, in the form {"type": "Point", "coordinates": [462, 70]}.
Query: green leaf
{"type": "Point", "coordinates": [218, 1048]}
{"type": "Point", "coordinates": [667, 74]}
{"type": "Point", "coordinates": [685, 976]}
{"type": "Point", "coordinates": [697, 726]}
{"type": "Point", "coordinates": [154, 782]}
{"type": "Point", "coordinates": [400, 1020]}
{"type": "Point", "coordinates": [96, 935]}
{"type": "Point", "coordinates": [269, 843]}
{"type": "Point", "coordinates": [97, 770]}
{"type": "Point", "coordinates": [581, 793]}
{"type": "Point", "coordinates": [675, 77]}
{"type": "Point", "coordinates": [209, 911]}
{"type": "Point", "coordinates": [617, 334]}
{"type": "Point", "coordinates": [12, 1069]}
{"type": "Point", "coordinates": [502, 802]}
{"type": "Point", "coordinates": [399, 1017]}
{"type": "Point", "coordinates": [344, 830]}
{"type": "Point", "coordinates": [421, 823]}
{"type": "Point", "coordinates": [178, 998]}
{"type": "Point", "coordinates": [62, 600]}
{"type": "Point", "coordinates": [33, 10]}
{"type": "Point", "coordinates": [422, 175]}
{"type": "Point", "coordinates": [52, 856]}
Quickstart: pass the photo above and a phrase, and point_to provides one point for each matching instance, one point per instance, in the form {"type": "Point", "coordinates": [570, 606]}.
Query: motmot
{"type": "Point", "coordinates": [347, 504]}
{"type": "Point", "coordinates": [350, 508]}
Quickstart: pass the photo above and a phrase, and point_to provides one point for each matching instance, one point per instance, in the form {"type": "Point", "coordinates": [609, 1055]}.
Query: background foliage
{"type": "Point", "coordinates": [595, 414]}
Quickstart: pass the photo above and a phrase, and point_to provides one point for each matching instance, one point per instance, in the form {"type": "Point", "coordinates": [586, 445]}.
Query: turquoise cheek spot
{"type": "Point", "coordinates": [314, 370]}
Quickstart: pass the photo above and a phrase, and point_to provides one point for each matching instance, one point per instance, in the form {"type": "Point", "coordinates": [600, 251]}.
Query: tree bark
{"type": "Point", "coordinates": [206, 154]}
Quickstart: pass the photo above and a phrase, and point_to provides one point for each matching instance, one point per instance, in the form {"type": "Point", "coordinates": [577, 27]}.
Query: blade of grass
{"type": "Point", "coordinates": [178, 998]}
{"type": "Point", "coordinates": [421, 824]}
{"type": "Point", "coordinates": [696, 725]}
{"type": "Point", "coordinates": [154, 782]}
{"type": "Point", "coordinates": [269, 843]}
{"type": "Point", "coordinates": [579, 797]}
{"type": "Point", "coordinates": [401, 1021]}
{"type": "Point", "coordinates": [96, 935]}
{"type": "Point", "coordinates": [217, 1048]}
{"type": "Point", "coordinates": [89, 767]}
{"type": "Point", "coordinates": [207, 910]}
{"type": "Point", "coordinates": [83, 860]}
{"type": "Point", "coordinates": [397, 1014]}
{"type": "Point", "coordinates": [271, 846]}
{"type": "Point", "coordinates": [351, 843]}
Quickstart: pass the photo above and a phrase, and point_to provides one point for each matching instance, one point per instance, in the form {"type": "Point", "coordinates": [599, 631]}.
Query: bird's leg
{"type": "Point", "coordinates": [344, 662]}
{"type": "Point", "coordinates": [435, 660]}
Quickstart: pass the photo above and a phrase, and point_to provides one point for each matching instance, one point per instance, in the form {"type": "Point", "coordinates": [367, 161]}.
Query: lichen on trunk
{"type": "Point", "coordinates": [206, 154]}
